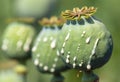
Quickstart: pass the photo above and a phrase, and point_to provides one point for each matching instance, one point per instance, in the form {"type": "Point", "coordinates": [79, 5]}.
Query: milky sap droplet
{"type": "Point", "coordinates": [53, 44]}
{"type": "Point", "coordinates": [88, 40]}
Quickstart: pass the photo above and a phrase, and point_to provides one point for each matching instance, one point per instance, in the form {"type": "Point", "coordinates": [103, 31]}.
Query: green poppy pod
{"type": "Point", "coordinates": [84, 41]}
{"type": "Point", "coordinates": [34, 8]}
{"type": "Point", "coordinates": [44, 52]}
{"type": "Point", "coordinates": [17, 40]}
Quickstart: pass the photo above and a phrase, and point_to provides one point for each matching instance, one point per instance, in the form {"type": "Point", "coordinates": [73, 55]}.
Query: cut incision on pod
{"type": "Point", "coordinates": [44, 52]}
{"type": "Point", "coordinates": [86, 44]}
{"type": "Point", "coordinates": [17, 40]}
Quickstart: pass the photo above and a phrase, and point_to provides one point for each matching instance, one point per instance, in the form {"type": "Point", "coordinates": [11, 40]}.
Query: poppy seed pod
{"type": "Point", "coordinates": [44, 52]}
{"type": "Point", "coordinates": [85, 44]}
{"type": "Point", "coordinates": [17, 40]}
{"type": "Point", "coordinates": [34, 8]}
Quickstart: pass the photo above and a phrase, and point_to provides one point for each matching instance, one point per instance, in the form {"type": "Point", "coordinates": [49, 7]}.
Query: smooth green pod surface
{"type": "Point", "coordinates": [45, 53]}
{"type": "Point", "coordinates": [85, 43]}
{"type": "Point", "coordinates": [17, 39]}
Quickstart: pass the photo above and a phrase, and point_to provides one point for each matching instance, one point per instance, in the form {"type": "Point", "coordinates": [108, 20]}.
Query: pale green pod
{"type": "Point", "coordinates": [85, 43]}
{"type": "Point", "coordinates": [10, 76]}
{"type": "Point", "coordinates": [34, 8]}
{"type": "Point", "coordinates": [45, 52]}
{"type": "Point", "coordinates": [17, 40]}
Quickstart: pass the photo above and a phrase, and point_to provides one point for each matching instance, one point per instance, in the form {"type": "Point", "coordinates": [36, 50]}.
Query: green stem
{"type": "Point", "coordinates": [89, 76]}
{"type": "Point", "coordinates": [57, 78]}
{"type": "Point", "coordinates": [22, 69]}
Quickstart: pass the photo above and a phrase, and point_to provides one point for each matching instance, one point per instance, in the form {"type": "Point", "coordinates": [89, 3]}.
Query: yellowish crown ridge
{"type": "Point", "coordinates": [52, 21]}
{"type": "Point", "coordinates": [21, 19]}
{"type": "Point", "coordinates": [77, 13]}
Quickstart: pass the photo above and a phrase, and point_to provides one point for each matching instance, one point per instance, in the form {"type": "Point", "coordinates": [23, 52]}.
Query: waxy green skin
{"type": "Point", "coordinates": [44, 52]}
{"type": "Point", "coordinates": [17, 39]}
{"type": "Point", "coordinates": [85, 47]}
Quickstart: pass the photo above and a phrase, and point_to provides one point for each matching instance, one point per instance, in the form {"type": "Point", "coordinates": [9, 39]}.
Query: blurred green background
{"type": "Point", "coordinates": [108, 12]}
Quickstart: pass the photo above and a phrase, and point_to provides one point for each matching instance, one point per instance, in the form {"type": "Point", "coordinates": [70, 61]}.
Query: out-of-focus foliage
{"type": "Point", "coordinates": [108, 12]}
{"type": "Point", "coordinates": [12, 71]}
{"type": "Point", "coordinates": [11, 76]}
